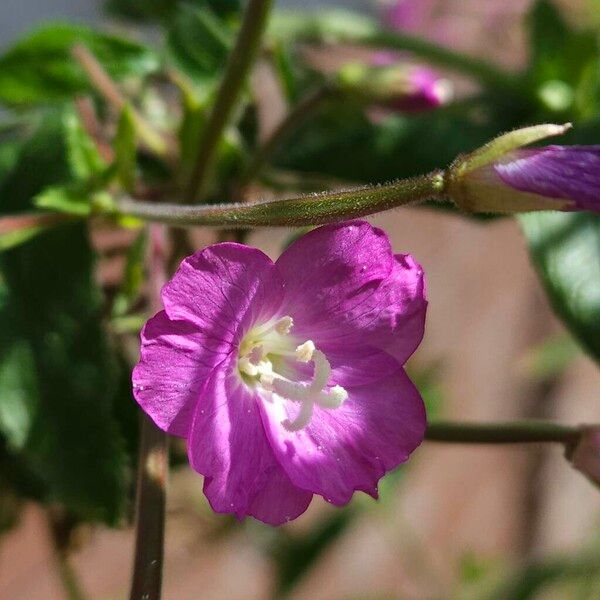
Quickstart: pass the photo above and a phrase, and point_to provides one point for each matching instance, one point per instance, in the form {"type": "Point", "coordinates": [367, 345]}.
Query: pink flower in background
{"type": "Point", "coordinates": [409, 88]}
{"type": "Point", "coordinates": [287, 378]}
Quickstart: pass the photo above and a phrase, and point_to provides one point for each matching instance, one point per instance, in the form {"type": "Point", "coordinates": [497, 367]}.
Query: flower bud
{"type": "Point", "coordinates": [398, 87]}
{"type": "Point", "coordinates": [504, 177]}
{"type": "Point", "coordinates": [585, 456]}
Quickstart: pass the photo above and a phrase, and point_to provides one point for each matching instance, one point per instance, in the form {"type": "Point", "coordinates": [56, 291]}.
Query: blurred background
{"type": "Point", "coordinates": [455, 522]}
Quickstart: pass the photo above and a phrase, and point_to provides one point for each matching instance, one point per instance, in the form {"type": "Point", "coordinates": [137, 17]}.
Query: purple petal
{"type": "Point", "coordinates": [228, 445]}
{"type": "Point", "coordinates": [345, 288]}
{"type": "Point", "coordinates": [350, 448]}
{"type": "Point", "coordinates": [223, 290]}
{"type": "Point", "coordinates": [568, 172]}
{"type": "Point", "coordinates": [176, 360]}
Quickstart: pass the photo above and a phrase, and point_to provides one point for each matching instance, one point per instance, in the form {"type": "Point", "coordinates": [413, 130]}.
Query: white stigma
{"type": "Point", "coordinates": [271, 344]}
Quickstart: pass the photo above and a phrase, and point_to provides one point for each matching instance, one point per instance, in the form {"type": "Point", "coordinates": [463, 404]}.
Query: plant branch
{"type": "Point", "coordinates": [520, 432]}
{"type": "Point", "coordinates": [314, 209]}
{"type": "Point", "coordinates": [240, 62]}
{"type": "Point", "coordinates": [153, 467]}
{"type": "Point", "coordinates": [109, 90]}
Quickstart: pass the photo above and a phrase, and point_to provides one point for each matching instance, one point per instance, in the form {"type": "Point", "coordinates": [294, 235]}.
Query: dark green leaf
{"type": "Point", "coordinates": [51, 317]}
{"type": "Point", "coordinates": [562, 62]}
{"type": "Point", "coordinates": [41, 69]}
{"type": "Point", "coordinates": [199, 42]}
{"type": "Point", "coordinates": [565, 249]}
{"type": "Point", "coordinates": [165, 10]}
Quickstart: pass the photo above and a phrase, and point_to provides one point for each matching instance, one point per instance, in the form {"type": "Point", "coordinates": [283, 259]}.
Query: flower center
{"type": "Point", "coordinates": [269, 358]}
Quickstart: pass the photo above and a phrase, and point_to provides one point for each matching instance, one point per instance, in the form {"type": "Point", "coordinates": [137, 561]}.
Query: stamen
{"type": "Point", "coordinates": [304, 352]}
{"type": "Point", "coordinates": [245, 366]}
{"type": "Point", "coordinates": [332, 398]}
{"type": "Point", "coordinates": [271, 342]}
{"type": "Point", "coordinates": [284, 325]}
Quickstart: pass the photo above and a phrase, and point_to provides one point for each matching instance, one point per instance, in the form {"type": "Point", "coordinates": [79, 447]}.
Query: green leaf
{"type": "Point", "coordinates": [134, 275]}
{"type": "Point", "coordinates": [125, 149]}
{"type": "Point", "coordinates": [53, 342]}
{"type": "Point", "coordinates": [560, 60]}
{"type": "Point", "coordinates": [84, 159]}
{"type": "Point", "coordinates": [20, 395]}
{"type": "Point", "coordinates": [199, 42]}
{"type": "Point", "coordinates": [40, 68]}
{"type": "Point", "coordinates": [165, 10]}
{"type": "Point", "coordinates": [70, 199]}
{"type": "Point", "coordinates": [565, 249]}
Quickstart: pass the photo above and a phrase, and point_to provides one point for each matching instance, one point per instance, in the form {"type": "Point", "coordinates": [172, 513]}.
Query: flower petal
{"type": "Point", "coordinates": [223, 289]}
{"type": "Point", "coordinates": [569, 172]}
{"type": "Point", "coordinates": [344, 287]}
{"type": "Point", "coordinates": [176, 360]}
{"type": "Point", "coordinates": [229, 447]}
{"type": "Point", "coordinates": [352, 447]}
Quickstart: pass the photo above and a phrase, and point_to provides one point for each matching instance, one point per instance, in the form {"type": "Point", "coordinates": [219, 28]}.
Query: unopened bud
{"type": "Point", "coordinates": [505, 177]}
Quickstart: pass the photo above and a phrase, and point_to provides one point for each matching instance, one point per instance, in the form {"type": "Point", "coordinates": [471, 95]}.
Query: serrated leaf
{"type": "Point", "coordinates": [40, 68]}
{"type": "Point", "coordinates": [52, 312]}
{"type": "Point", "coordinates": [565, 249]}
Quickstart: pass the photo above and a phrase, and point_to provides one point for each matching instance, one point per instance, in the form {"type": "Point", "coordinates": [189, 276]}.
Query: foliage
{"type": "Point", "coordinates": [67, 421]}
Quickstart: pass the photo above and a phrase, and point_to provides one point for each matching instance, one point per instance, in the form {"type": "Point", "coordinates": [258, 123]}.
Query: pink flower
{"type": "Point", "coordinates": [286, 378]}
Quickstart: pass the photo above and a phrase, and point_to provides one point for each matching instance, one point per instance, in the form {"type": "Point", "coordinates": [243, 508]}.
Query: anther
{"type": "Point", "coordinates": [284, 325]}
{"type": "Point", "coordinates": [304, 352]}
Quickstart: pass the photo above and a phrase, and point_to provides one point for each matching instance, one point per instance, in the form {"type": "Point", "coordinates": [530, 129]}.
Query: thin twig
{"type": "Point", "coordinates": [153, 467]}
{"type": "Point", "coordinates": [160, 143]}
{"type": "Point", "coordinates": [520, 432]}
{"type": "Point", "coordinates": [241, 59]}
{"type": "Point", "coordinates": [313, 209]}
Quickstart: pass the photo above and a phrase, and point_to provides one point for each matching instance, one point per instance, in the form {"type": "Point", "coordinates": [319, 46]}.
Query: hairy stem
{"type": "Point", "coordinates": [314, 209]}
{"type": "Point", "coordinates": [240, 62]}
{"type": "Point", "coordinates": [520, 432]}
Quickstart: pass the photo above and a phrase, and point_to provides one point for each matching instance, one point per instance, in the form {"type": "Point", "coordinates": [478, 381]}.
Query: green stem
{"type": "Point", "coordinates": [523, 432]}
{"type": "Point", "coordinates": [314, 209]}
{"type": "Point", "coordinates": [240, 62]}
{"type": "Point", "coordinates": [299, 113]}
